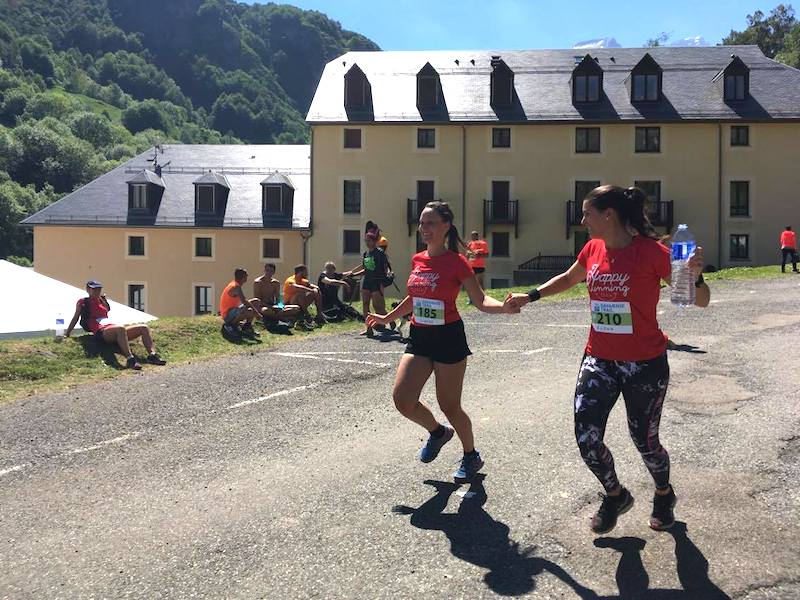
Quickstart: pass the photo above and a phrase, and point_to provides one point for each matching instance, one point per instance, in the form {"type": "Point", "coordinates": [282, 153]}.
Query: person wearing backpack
{"type": "Point", "coordinates": [93, 315]}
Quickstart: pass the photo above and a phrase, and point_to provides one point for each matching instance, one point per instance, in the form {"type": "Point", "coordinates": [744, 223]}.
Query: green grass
{"type": "Point", "coordinates": [34, 365]}
{"type": "Point", "coordinates": [91, 104]}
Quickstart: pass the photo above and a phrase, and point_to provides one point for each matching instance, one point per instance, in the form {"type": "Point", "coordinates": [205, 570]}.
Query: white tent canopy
{"type": "Point", "coordinates": [30, 303]}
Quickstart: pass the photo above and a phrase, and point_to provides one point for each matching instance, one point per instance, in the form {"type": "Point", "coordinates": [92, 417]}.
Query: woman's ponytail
{"type": "Point", "coordinates": [630, 205]}
{"type": "Point", "coordinates": [453, 241]}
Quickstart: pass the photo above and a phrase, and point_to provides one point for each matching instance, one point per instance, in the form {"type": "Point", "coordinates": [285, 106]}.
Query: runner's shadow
{"type": "Point", "coordinates": [686, 348]}
{"type": "Point", "coordinates": [633, 581]}
{"type": "Point", "coordinates": [477, 538]}
{"type": "Point", "coordinates": [107, 352]}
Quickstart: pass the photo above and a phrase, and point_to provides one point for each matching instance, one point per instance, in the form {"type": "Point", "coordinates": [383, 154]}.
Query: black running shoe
{"type": "Point", "coordinates": [612, 507]}
{"type": "Point", "coordinates": [249, 332]}
{"type": "Point", "coordinates": [663, 515]}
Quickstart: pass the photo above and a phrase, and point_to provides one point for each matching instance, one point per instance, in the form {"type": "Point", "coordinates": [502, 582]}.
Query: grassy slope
{"type": "Point", "coordinates": [35, 365]}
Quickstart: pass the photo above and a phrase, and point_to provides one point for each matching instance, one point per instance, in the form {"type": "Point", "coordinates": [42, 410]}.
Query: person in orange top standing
{"type": "Point", "coordinates": [788, 248]}
{"type": "Point", "coordinates": [477, 251]}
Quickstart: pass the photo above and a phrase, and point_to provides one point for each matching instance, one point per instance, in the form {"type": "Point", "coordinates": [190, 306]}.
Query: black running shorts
{"type": "Point", "coordinates": [441, 343]}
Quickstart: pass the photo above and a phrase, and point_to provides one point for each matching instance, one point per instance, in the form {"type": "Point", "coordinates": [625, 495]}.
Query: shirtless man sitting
{"type": "Point", "coordinates": [266, 290]}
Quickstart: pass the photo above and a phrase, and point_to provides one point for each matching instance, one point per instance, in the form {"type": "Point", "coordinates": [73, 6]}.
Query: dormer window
{"type": "Point", "coordinates": [646, 80]}
{"type": "Point", "coordinates": [145, 190]}
{"type": "Point", "coordinates": [502, 83]}
{"type": "Point", "coordinates": [273, 200]}
{"type": "Point", "coordinates": [356, 88]}
{"type": "Point", "coordinates": [587, 81]}
{"type": "Point", "coordinates": [735, 87]}
{"type": "Point", "coordinates": [205, 201]}
{"type": "Point", "coordinates": [277, 200]}
{"type": "Point", "coordinates": [139, 196]}
{"type": "Point", "coordinates": [429, 93]}
{"type": "Point", "coordinates": [736, 80]}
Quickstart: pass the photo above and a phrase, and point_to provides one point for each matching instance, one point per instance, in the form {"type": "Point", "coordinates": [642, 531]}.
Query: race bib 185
{"type": "Point", "coordinates": [612, 317]}
{"type": "Point", "coordinates": [428, 311]}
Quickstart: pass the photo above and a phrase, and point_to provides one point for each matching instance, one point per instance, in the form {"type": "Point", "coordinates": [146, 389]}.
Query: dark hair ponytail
{"type": "Point", "coordinates": [454, 241]}
{"type": "Point", "coordinates": [630, 205]}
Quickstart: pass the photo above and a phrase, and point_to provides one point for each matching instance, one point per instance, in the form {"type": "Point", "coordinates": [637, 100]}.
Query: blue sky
{"type": "Point", "coordinates": [518, 24]}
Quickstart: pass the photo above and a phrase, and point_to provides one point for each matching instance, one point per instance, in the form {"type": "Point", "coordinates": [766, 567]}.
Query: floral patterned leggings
{"type": "Point", "coordinates": [643, 385]}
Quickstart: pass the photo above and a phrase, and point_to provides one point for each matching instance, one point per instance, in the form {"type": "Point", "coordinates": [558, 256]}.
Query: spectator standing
{"type": "Point", "coordinates": [477, 251]}
{"type": "Point", "coordinates": [788, 248]}
{"type": "Point", "coordinates": [375, 268]}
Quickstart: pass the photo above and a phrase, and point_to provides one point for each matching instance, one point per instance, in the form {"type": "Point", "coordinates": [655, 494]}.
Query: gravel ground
{"type": "Point", "coordinates": [288, 474]}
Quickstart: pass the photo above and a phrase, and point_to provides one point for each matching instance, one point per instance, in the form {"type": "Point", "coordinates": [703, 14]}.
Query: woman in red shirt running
{"type": "Point", "coordinates": [438, 344]}
{"type": "Point", "coordinates": [623, 266]}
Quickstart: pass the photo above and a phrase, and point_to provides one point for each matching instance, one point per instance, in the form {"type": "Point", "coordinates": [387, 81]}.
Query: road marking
{"type": "Point", "coordinates": [273, 395]}
{"type": "Point", "coordinates": [13, 469]}
{"type": "Point", "coordinates": [498, 351]}
{"type": "Point", "coordinates": [342, 360]}
{"type": "Point", "coordinates": [104, 443]}
{"type": "Point", "coordinates": [538, 350]}
{"type": "Point", "coordinates": [309, 353]}
{"type": "Point", "coordinates": [583, 326]}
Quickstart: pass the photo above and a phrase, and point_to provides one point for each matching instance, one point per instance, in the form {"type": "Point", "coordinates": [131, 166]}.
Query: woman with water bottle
{"type": "Point", "coordinates": [623, 266]}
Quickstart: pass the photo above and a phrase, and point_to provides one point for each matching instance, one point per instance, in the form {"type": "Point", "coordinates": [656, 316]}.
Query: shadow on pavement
{"type": "Point", "coordinates": [685, 348]}
{"type": "Point", "coordinates": [633, 581]}
{"type": "Point", "coordinates": [479, 539]}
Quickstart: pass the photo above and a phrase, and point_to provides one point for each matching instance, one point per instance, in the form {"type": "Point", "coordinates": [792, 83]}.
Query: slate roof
{"type": "Point", "coordinates": [542, 86]}
{"type": "Point", "coordinates": [104, 201]}
{"type": "Point", "coordinates": [146, 176]}
{"type": "Point", "coordinates": [214, 177]}
{"type": "Point", "coordinates": [278, 179]}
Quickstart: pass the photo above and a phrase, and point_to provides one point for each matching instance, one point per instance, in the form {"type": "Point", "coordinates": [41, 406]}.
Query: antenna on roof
{"type": "Point", "coordinates": [457, 62]}
{"type": "Point", "coordinates": [472, 60]}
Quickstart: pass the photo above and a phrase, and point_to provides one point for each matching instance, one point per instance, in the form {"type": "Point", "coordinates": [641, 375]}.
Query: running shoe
{"type": "Point", "coordinates": [430, 450]}
{"type": "Point", "coordinates": [249, 332]}
{"type": "Point", "coordinates": [470, 465]}
{"type": "Point", "coordinates": [612, 507]}
{"type": "Point", "coordinates": [663, 515]}
{"type": "Point", "coordinates": [155, 359]}
{"type": "Point", "coordinates": [132, 363]}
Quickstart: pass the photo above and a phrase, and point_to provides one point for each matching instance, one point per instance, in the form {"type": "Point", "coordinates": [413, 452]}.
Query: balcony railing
{"type": "Point", "coordinates": [501, 212]}
{"type": "Point", "coordinates": [659, 212]}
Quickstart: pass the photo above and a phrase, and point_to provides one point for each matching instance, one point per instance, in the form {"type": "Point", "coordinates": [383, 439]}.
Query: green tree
{"type": "Point", "coordinates": [657, 41]}
{"type": "Point", "coordinates": [149, 114]}
{"type": "Point", "coordinates": [767, 33]}
{"type": "Point", "coordinates": [92, 127]}
{"type": "Point", "coordinates": [790, 55]}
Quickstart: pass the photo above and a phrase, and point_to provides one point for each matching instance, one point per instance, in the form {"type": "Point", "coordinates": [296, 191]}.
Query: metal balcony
{"type": "Point", "coordinates": [501, 212]}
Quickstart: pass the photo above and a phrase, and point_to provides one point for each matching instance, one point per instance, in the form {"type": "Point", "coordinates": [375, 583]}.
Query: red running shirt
{"type": "Point", "coordinates": [624, 288]}
{"type": "Point", "coordinates": [434, 284]}
{"type": "Point", "coordinates": [97, 311]}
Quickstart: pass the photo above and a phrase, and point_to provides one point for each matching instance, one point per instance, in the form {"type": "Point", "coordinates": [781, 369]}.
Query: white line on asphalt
{"type": "Point", "coordinates": [273, 395]}
{"type": "Point", "coordinates": [583, 325]}
{"type": "Point", "coordinates": [342, 360]}
{"type": "Point", "coordinates": [104, 443]}
{"type": "Point", "coordinates": [13, 469]}
{"type": "Point", "coordinates": [538, 350]}
{"type": "Point", "coordinates": [498, 351]}
{"type": "Point", "coordinates": [310, 353]}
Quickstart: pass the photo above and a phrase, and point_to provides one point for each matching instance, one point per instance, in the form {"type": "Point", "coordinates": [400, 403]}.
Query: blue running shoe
{"type": "Point", "coordinates": [470, 465]}
{"type": "Point", "coordinates": [431, 448]}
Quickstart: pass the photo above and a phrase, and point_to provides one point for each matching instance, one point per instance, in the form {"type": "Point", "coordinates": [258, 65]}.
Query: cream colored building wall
{"type": "Point", "coordinates": [542, 168]}
{"type": "Point", "coordinates": [168, 271]}
{"type": "Point", "coordinates": [769, 163]}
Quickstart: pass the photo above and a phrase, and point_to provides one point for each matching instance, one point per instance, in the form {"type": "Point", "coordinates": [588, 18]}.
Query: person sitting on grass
{"type": "Point", "coordinates": [297, 289]}
{"type": "Point", "coordinates": [267, 301]}
{"type": "Point", "coordinates": [329, 283]}
{"type": "Point", "coordinates": [93, 314]}
{"type": "Point", "coordinates": [237, 311]}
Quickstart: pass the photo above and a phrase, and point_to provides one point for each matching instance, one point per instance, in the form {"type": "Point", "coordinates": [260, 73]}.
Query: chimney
{"type": "Point", "coordinates": [495, 61]}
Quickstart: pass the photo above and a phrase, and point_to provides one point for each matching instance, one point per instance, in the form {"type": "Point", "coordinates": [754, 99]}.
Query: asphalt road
{"type": "Point", "coordinates": [288, 474]}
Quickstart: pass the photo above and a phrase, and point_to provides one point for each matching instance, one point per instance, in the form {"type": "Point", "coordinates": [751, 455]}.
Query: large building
{"type": "Point", "coordinates": [165, 235]}
{"type": "Point", "coordinates": [514, 140]}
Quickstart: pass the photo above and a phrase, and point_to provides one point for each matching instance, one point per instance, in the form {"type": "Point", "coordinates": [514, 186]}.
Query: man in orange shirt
{"type": "Point", "coordinates": [477, 251]}
{"type": "Point", "coordinates": [236, 310]}
{"type": "Point", "coordinates": [297, 289]}
{"type": "Point", "coordinates": [788, 248]}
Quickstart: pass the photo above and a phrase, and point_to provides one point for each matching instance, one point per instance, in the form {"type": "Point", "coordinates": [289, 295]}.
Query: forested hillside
{"type": "Point", "coordinates": [85, 84]}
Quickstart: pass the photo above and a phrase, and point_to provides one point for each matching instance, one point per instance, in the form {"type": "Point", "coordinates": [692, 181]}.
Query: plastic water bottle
{"type": "Point", "coordinates": [683, 245]}
{"type": "Point", "coordinates": [59, 326]}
